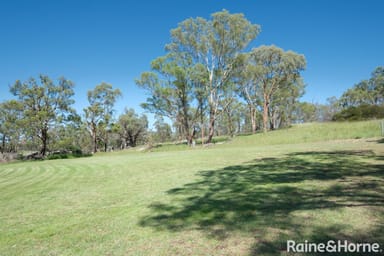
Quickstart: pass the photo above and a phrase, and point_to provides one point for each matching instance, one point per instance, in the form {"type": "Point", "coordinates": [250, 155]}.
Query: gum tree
{"type": "Point", "coordinates": [11, 112]}
{"type": "Point", "coordinates": [99, 113]}
{"type": "Point", "coordinates": [45, 104]}
{"type": "Point", "coordinates": [269, 72]}
{"type": "Point", "coordinates": [131, 128]}
{"type": "Point", "coordinates": [172, 86]}
{"type": "Point", "coordinates": [216, 45]}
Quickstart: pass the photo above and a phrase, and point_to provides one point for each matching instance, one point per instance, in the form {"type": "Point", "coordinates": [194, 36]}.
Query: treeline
{"type": "Point", "coordinates": [208, 84]}
{"type": "Point", "coordinates": [363, 101]}
{"type": "Point", "coordinates": [41, 117]}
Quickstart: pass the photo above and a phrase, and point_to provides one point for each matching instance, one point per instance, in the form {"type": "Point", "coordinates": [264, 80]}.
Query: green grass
{"type": "Point", "coordinates": [245, 197]}
{"type": "Point", "coordinates": [314, 132]}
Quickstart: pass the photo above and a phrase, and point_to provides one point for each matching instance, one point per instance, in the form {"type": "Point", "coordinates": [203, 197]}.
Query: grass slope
{"type": "Point", "coordinates": [246, 197]}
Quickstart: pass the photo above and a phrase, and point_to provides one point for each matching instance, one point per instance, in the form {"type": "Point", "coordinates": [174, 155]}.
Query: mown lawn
{"type": "Point", "coordinates": [239, 198]}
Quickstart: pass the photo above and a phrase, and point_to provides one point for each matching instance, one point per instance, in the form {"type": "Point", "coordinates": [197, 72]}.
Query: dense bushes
{"type": "Point", "coordinates": [362, 112]}
{"type": "Point", "coordinates": [74, 152]}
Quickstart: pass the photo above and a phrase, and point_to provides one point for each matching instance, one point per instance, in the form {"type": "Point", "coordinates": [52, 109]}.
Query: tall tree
{"type": "Point", "coordinates": [247, 80]}
{"type": "Point", "coordinates": [45, 104]}
{"type": "Point", "coordinates": [216, 45]}
{"type": "Point", "coordinates": [131, 127]}
{"type": "Point", "coordinates": [171, 86]}
{"type": "Point", "coordinates": [273, 70]}
{"type": "Point", "coordinates": [99, 113]}
{"type": "Point", "coordinates": [283, 103]}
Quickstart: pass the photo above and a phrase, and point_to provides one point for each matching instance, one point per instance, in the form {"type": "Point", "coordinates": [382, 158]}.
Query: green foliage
{"type": "Point", "coordinates": [99, 113]}
{"type": "Point", "coordinates": [163, 131]}
{"type": "Point", "coordinates": [305, 112]}
{"type": "Point", "coordinates": [203, 56]}
{"type": "Point", "coordinates": [362, 112]}
{"type": "Point", "coordinates": [172, 91]}
{"type": "Point", "coordinates": [70, 155]}
{"type": "Point", "coordinates": [10, 115]}
{"type": "Point", "coordinates": [275, 81]}
{"type": "Point", "coordinates": [368, 92]}
{"type": "Point", "coordinates": [131, 128]}
{"type": "Point", "coordinates": [45, 104]}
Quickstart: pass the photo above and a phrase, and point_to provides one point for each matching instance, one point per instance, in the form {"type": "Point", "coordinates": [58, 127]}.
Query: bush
{"type": "Point", "coordinates": [73, 152]}
{"type": "Point", "coordinates": [360, 113]}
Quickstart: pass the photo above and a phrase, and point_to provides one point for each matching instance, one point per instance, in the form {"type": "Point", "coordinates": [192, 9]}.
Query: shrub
{"type": "Point", "coordinates": [362, 112]}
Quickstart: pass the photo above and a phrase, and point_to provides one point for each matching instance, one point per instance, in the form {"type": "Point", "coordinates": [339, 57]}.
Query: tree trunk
{"type": "Point", "coordinates": [94, 139]}
{"type": "Point", "coordinates": [191, 137]}
{"type": "Point", "coordinates": [202, 123]}
{"type": "Point", "coordinates": [271, 117]}
{"type": "Point", "coordinates": [252, 112]}
{"type": "Point", "coordinates": [211, 128]}
{"type": "Point", "coordinates": [2, 144]}
{"type": "Point", "coordinates": [230, 125]}
{"type": "Point", "coordinates": [44, 141]}
{"type": "Point", "coordinates": [265, 112]}
{"type": "Point", "coordinates": [202, 134]}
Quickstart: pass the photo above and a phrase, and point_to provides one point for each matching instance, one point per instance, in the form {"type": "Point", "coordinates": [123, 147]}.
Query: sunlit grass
{"type": "Point", "coordinates": [243, 197]}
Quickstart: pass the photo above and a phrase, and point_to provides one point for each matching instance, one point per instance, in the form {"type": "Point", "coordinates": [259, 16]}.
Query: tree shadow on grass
{"type": "Point", "coordinates": [260, 197]}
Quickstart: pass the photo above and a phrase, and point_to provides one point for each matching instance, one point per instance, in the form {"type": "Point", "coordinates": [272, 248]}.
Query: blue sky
{"type": "Point", "coordinates": [112, 41]}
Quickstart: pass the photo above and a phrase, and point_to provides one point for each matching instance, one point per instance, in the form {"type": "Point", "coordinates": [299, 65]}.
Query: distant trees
{"type": "Point", "coordinates": [365, 100]}
{"type": "Point", "coordinates": [163, 131]}
{"type": "Point", "coordinates": [305, 112]}
{"type": "Point", "coordinates": [10, 113]}
{"type": "Point", "coordinates": [131, 128]}
{"type": "Point", "coordinates": [370, 92]}
{"type": "Point", "coordinates": [98, 114]}
{"type": "Point", "coordinates": [41, 117]}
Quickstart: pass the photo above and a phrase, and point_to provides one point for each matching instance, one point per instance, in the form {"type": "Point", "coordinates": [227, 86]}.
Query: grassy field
{"type": "Point", "coordinates": [312, 182]}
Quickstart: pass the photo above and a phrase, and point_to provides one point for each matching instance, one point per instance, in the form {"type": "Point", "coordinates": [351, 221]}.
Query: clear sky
{"type": "Point", "coordinates": [112, 41]}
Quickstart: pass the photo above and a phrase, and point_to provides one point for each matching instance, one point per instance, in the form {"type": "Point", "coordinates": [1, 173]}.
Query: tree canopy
{"type": "Point", "coordinates": [99, 113]}
{"type": "Point", "coordinates": [45, 104]}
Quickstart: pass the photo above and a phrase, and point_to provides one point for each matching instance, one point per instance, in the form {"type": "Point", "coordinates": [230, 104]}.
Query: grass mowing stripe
{"type": "Point", "coordinates": [245, 197]}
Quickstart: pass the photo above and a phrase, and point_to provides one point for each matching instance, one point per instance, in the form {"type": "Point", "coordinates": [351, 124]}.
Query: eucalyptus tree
{"type": "Point", "coordinates": [283, 103]}
{"type": "Point", "coordinates": [247, 80]}
{"type": "Point", "coordinates": [216, 45]}
{"type": "Point", "coordinates": [171, 86]}
{"type": "Point", "coordinates": [10, 131]}
{"type": "Point", "coordinates": [163, 131]}
{"type": "Point", "coordinates": [305, 112]}
{"type": "Point", "coordinates": [99, 113]}
{"type": "Point", "coordinates": [270, 71]}
{"type": "Point", "coordinates": [131, 128]}
{"type": "Point", "coordinates": [44, 105]}
{"type": "Point", "coordinates": [377, 82]}
{"type": "Point", "coordinates": [370, 91]}
{"type": "Point", "coordinates": [230, 122]}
